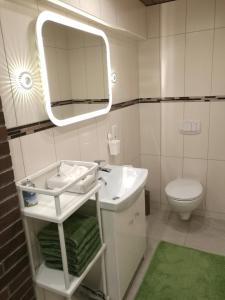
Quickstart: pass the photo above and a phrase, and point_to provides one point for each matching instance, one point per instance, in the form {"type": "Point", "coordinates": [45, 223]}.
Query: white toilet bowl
{"type": "Point", "coordinates": [184, 195]}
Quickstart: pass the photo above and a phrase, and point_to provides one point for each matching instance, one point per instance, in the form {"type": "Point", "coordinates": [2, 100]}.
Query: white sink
{"type": "Point", "coordinates": [123, 185]}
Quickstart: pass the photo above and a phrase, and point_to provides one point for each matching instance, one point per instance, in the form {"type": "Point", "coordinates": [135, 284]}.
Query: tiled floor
{"type": "Point", "coordinates": [199, 233]}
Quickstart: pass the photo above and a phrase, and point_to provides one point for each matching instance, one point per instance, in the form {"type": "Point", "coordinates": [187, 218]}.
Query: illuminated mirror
{"type": "Point", "coordinates": [75, 69]}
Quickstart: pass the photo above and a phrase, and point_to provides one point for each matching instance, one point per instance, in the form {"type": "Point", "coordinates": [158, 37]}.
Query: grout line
{"type": "Point", "coordinates": [213, 48]}
{"type": "Point", "coordinates": [185, 66]}
{"type": "Point", "coordinates": [207, 164]}
{"type": "Point", "coordinates": [185, 33]}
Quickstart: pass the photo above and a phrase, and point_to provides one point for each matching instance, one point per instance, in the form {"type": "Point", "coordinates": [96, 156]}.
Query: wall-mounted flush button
{"type": "Point", "coordinates": [190, 127]}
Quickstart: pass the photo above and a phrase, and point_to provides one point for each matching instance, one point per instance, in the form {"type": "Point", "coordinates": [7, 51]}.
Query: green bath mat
{"type": "Point", "coordinates": [181, 273]}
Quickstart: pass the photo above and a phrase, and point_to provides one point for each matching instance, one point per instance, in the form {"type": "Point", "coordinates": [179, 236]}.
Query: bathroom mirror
{"type": "Point", "coordinates": [75, 69]}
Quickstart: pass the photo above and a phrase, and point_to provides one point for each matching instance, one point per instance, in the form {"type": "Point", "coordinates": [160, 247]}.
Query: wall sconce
{"type": "Point", "coordinates": [113, 77]}
{"type": "Point", "coordinates": [25, 80]}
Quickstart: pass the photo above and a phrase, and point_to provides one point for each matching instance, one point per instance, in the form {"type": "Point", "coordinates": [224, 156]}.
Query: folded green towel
{"type": "Point", "coordinates": [72, 260]}
{"type": "Point", "coordinates": [76, 229]}
{"type": "Point", "coordinates": [76, 269]}
{"type": "Point", "coordinates": [55, 252]}
{"type": "Point", "coordinates": [82, 239]}
{"type": "Point", "coordinates": [49, 246]}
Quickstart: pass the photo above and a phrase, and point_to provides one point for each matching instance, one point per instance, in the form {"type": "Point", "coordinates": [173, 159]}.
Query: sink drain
{"type": "Point", "coordinates": [116, 198]}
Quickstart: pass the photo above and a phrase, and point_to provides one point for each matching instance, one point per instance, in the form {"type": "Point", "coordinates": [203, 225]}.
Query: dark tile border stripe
{"type": "Point", "coordinates": [154, 2]}
{"type": "Point", "coordinates": [46, 124]}
{"type": "Point", "coordinates": [79, 101]}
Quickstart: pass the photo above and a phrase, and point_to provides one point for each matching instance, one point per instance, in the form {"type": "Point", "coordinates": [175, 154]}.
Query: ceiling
{"type": "Point", "coordinates": [153, 2]}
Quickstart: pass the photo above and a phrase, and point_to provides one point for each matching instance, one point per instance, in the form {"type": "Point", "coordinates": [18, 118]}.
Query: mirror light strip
{"type": "Point", "coordinates": [50, 16]}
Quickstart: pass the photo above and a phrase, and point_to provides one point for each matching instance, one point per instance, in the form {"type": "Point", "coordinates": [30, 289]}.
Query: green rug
{"type": "Point", "coordinates": [181, 273]}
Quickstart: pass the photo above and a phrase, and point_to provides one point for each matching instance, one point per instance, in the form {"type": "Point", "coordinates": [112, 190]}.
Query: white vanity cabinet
{"type": "Point", "coordinates": [125, 235]}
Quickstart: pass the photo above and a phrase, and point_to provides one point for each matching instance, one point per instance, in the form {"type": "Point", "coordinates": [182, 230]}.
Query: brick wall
{"type": "Point", "coordinates": [15, 274]}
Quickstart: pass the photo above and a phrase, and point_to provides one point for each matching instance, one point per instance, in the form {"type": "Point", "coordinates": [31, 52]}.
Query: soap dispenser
{"type": "Point", "coordinates": [114, 142]}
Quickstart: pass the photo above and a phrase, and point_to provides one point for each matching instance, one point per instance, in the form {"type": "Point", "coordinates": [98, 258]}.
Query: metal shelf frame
{"type": "Point", "coordinates": [60, 282]}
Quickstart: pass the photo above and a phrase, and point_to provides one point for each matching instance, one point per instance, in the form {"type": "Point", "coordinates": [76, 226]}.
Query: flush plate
{"type": "Point", "coordinates": [153, 2]}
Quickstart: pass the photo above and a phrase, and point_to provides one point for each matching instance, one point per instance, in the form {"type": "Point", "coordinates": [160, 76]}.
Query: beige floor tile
{"type": "Point", "coordinates": [176, 230]}
{"type": "Point", "coordinates": [207, 235]}
{"type": "Point", "coordinates": [157, 224]}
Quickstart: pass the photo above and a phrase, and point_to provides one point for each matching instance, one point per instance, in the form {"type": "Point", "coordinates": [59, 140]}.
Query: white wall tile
{"type": "Point", "coordinates": [16, 21]}
{"type": "Point", "coordinates": [172, 66]}
{"type": "Point", "coordinates": [196, 169]}
{"type": "Point", "coordinates": [152, 163]}
{"type": "Point", "coordinates": [48, 34]}
{"type": "Point", "coordinates": [218, 77]}
{"type": "Point", "coordinates": [78, 74]}
{"type": "Point", "coordinates": [108, 11]}
{"type": "Point", "coordinates": [124, 62]}
{"type": "Point", "coordinates": [215, 200]}
{"type": "Point", "coordinates": [153, 21]}
{"type": "Point", "coordinates": [103, 129]}
{"type": "Point", "coordinates": [91, 6]}
{"type": "Point", "coordinates": [75, 3]}
{"type": "Point", "coordinates": [131, 133]}
{"type": "Point", "coordinates": [53, 78]}
{"type": "Point", "coordinates": [67, 143]}
{"type": "Point", "coordinates": [61, 36]}
{"type": "Point", "coordinates": [171, 168]}
{"type": "Point", "coordinates": [75, 39]}
{"type": "Point", "coordinates": [38, 151]}
{"type": "Point", "coordinates": [92, 40]}
{"type": "Point", "coordinates": [131, 67]}
{"type": "Point", "coordinates": [220, 13]}
{"type": "Point", "coordinates": [198, 65]}
{"type": "Point", "coordinates": [17, 159]}
{"type": "Point", "coordinates": [149, 68]}
{"type": "Point", "coordinates": [5, 89]}
{"type": "Point", "coordinates": [94, 72]}
{"type": "Point", "coordinates": [88, 139]}
{"type": "Point", "coordinates": [63, 70]}
{"type": "Point", "coordinates": [216, 131]}
{"type": "Point", "coordinates": [172, 18]}
{"type": "Point", "coordinates": [150, 133]}
{"type": "Point", "coordinates": [131, 14]}
{"type": "Point", "coordinates": [196, 146]}
{"type": "Point", "coordinates": [171, 139]}
{"type": "Point", "coordinates": [200, 14]}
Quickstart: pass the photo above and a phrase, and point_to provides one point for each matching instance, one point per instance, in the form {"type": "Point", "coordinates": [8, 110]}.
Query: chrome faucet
{"type": "Point", "coordinates": [103, 180]}
{"type": "Point", "coordinates": [100, 168]}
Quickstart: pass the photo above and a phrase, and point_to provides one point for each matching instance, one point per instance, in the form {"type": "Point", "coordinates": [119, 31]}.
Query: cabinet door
{"type": "Point", "coordinates": [125, 247]}
{"type": "Point", "coordinates": [140, 227]}
{"type": "Point", "coordinates": [130, 242]}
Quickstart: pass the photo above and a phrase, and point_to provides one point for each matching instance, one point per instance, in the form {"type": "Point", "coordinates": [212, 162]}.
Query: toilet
{"type": "Point", "coordinates": [184, 195]}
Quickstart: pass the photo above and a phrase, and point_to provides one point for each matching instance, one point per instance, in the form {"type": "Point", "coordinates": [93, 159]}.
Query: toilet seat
{"type": "Point", "coordinates": [184, 189]}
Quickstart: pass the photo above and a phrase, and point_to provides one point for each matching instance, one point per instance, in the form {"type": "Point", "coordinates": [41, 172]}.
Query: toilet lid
{"type": "Point", "coordinates": [184, 189]}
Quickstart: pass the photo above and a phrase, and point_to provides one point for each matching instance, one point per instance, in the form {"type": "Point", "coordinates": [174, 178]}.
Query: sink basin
{"type": "Point", "coordinates": [123, 185]}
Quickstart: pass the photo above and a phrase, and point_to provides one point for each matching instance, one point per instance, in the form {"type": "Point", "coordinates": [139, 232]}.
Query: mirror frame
{"type": "Point", "coordinates": [59, 19]}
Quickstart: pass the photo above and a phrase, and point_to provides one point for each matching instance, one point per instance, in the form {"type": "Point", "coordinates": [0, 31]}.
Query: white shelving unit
{"type": "Point", "coordinates": [57, 206]}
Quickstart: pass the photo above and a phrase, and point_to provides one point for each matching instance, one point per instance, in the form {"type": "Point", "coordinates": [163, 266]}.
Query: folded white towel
{"type": "Point", "coordinates": [68, 173]}
{"type": "Point", "coordinates": [74, 171]}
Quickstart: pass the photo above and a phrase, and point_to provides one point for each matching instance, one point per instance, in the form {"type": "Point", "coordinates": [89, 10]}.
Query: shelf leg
{"type": "Point", "coordinates": [30, 250]}
{"type": "Point", "coordinates": [103, 266]}
{"type": "Point", "coordinates": [29, 246]}
{"type": "Point", "coordinates": [64, 255]}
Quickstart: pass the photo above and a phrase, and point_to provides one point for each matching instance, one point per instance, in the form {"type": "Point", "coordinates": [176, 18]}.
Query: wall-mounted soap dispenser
{"type": "Point", "coordinates": [114, 142]}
